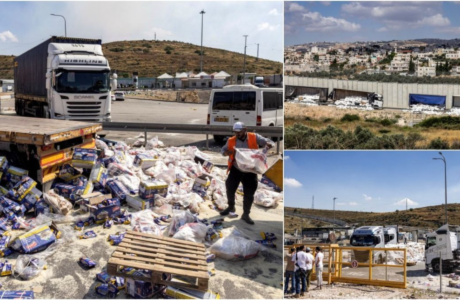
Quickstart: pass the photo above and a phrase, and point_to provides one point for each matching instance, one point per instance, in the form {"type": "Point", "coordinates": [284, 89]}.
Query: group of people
{"type": "Point", "coordinates": [299, 269]}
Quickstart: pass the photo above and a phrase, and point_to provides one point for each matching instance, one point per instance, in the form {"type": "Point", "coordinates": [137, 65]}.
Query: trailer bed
{"type": "Point", "coordinates": [40, 132]}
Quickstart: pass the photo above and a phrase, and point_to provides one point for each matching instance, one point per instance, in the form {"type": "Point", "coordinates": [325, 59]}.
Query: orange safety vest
{"type": "Point", "coordinates": [252, 144]}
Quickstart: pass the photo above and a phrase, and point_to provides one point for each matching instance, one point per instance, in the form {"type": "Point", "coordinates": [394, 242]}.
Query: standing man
{"type": "Point", "coordinates": [300, 259]}
{"type": "Point", "coordinates": [248, 140]}
{"type": "Point", "coordinates": [319, 267]}
{"type": "Point", "coordinates": [290, 272]}
{"type": "Point", "coordinates": [309, 263]}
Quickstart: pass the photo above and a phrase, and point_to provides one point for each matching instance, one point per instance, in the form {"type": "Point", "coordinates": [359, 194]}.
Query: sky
{"type": "Point", "coordinates": [320, 21]}
{"type": "Point", "coordinates": [371, 181]}
{"type": "Point", "coordinates": [24, 25]}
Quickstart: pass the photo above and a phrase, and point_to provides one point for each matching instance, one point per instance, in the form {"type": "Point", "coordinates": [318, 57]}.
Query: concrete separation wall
{"type": "Point", "coordinates": [395, 95]}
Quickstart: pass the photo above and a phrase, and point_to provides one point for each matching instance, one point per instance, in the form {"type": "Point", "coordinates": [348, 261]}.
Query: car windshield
{"type": "Point", "coordinates": [93, 82]}
{"type": "Point", "coordinates": [362, 240]}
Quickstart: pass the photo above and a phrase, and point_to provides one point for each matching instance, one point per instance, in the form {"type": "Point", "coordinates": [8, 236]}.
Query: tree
{"type": "Point", "coordinates": [316, 57]}
{"type": "Point", "coordinates": [334, 66]}
{"type": "Point", "coordinates": [411, 66]}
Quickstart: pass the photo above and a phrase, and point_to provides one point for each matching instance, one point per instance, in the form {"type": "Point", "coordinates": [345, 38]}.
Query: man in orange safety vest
{"type": "Point", "coordinates": [248, 140]}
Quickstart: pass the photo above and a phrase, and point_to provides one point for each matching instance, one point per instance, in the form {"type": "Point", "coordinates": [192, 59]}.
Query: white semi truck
{"type": "Point", "coordinates": [443, 243]}
{"type": "Point", "coordinates": [373, 237]}
{"type": "Point", "coordinates": [63, 78]}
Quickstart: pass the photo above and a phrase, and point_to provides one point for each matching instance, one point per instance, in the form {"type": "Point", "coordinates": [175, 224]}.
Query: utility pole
{"type": "Point", "coordinates": [257, 52]}
{"type": "Point", "coordinates": [155, 36]}
{"type": "Point", "coordinates": [244, 67]}
{"type": "Point", "coordinates": [445, 179]}
{"type": "Point", "coordinates": [334, 207]}
{"type": "Point", "coordinates": [202, 12]}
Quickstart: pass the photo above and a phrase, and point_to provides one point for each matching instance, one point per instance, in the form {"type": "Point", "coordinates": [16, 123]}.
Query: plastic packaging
{"type": "Point", "coordinates": [267, 198]}
{"type": "Point", "coordinates": [143, 221]}
{"type": "Point", "coordinates": [180, 220]}
{"type": "Point", "coordinates": [58, 203]}
{"type": "Point", "coordinates": [252, 161]}
{"type": "Point", "coordinates": [130, 182]}
{"type": "Point", "coordinates": [101, 144]}
{"type": "Point", "coordinates": [235, 248]}
{"type": "Point", "coordinates": [28, 267]}
{"type": "Point", "coordinates": [154, 143]}
{"type": "Point", "coordinates": [193, 232]}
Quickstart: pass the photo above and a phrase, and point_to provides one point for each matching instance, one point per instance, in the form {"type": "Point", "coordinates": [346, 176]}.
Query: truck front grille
{"type": "Point", "coordinates": [83, 109]}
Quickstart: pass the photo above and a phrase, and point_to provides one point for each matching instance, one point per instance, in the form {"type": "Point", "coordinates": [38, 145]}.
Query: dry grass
{"type": "Point", "coordinates": [428, 217]}
{"type": "Point", "coordinates": [322, 116]}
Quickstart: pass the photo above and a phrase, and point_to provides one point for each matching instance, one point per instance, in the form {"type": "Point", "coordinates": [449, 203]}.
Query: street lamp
{"type": "Point", "coordinates": [202, 12]}
{"type": "Point", "coordinates": [334, 207]}
{"type": "Point", "coordinates": [445, 178]}
{"type": "Point", "coordinates": [244, 66]}
{"type": "Point", "coordinates": [65, 23]}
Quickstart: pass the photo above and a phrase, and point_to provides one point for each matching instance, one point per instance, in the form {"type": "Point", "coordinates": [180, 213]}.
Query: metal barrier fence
{"type": "Point", "coordinates": [361, 265]}
{"type": "Point", "coordinates": [270, 131]}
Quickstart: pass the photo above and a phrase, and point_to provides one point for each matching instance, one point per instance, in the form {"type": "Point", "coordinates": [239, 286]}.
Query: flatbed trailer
{"type": "Point", "coordinates": [42, 146]}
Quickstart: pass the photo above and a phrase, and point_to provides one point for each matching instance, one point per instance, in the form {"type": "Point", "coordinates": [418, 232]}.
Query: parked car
{"type": "Point", "coordinates": [120, 96]}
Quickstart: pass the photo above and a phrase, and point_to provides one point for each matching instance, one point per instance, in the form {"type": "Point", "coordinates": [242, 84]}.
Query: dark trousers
{"type": "Point", "coordinates": [249, 181]}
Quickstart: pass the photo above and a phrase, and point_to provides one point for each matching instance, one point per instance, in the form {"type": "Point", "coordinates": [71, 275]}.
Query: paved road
{"type": "Point", "coordinates": [144, 111]}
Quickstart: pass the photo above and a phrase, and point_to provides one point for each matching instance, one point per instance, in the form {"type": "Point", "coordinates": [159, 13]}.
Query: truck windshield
{"type": "Point", "coordinates": [82, 81]}
{"type": "Point", "coordinates": [362, 240]}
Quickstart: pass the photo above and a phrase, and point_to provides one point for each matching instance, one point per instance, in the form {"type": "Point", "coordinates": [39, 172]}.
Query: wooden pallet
{"type": "Point", "coordinates": [161, 255]}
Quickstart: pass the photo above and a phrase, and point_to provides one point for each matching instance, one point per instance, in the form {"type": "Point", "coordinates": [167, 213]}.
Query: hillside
{"type": "Point", "coordinates": [429, 216]}
{"type": "Point", "coordinates": [153, 58]}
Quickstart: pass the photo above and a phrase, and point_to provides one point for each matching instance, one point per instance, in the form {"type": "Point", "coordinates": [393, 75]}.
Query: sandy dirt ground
{"type": "Point", "coordinates": [191, 96]}
{"type": "Point", "coordinates": [257, 278]}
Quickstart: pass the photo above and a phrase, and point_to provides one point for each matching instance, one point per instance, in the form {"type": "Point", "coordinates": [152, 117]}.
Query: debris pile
{"type": "Point", "coordinates": [425, 109]}
{"type": "Point", "coordinates": [415, 253]}
{"type": "Point", "coordinates": [353, 103]}
{"type": "Point", "coordinates": [153, 190]}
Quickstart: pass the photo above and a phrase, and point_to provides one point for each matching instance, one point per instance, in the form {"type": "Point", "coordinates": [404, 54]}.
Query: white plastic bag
{"type": "Point", "coordinates": [154, 143]}
{"type": "Point", "coordinates": [235, 248]}
{"type": "Point", "coordinates": [191, 201]}
{"type": "Point", "coordinates": [28, 267]}
{"type": "Point", "coordinates": [220, 201]}
{"type": "Point", "coordinates": [143, 221]}
{"type": "Point", "coordinates": [180, 220]}
{"type": "Point", "coordinates": [130, 182]}
{"type": "Point", "coordinates": [101, 144]}
{"type": "Point", "coordinates": [267, 198]}
{"type": "Point", "coordinates": [168, 175]}
{"type": "Point", "coordinates": [251, 161]}
{"type": "Point", "coordinates": [193, 232]}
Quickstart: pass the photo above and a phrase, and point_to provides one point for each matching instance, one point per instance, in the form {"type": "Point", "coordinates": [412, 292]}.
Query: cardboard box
{"type": "Point", "coordinates": [148, 189]}
{"type": "Point", "coordinates": [117, 189]}
{"type": "Point", "coordinates": [17, 295]}
{"type": "Point", "coordinates": [22, 188]}
{"type": "Point", "coordinates": [270, 183]}
{"type": "Point", "coordinates": [41, 207]}
{"type": "Point", "coordinates": [35, 240]}
{"type": "Point", "coordinates": [144, 161]}
{"type": "Point", "coordinates": [68, 191]}
{"type": "Point", "coordinates": [3, 191]}
{"type": "Point", "coordinates": [4, 166]}
{"type": "Point", "coordinates": [206, 164]}
{"type": "Point", "coordinates": [98, 176]}
{"type": "Point", "coordinates": [184, 293]}
{"type": "Point", "coordinates": [10, 205]}
{"type": "Point", "coordinates": [92, 199]}
{"type": "Point", "coordinates": [136, 202]}
{"type": "Point", "coordinates": [68, 173]}
{"type": "Point", "coordinates": [100, 212]}
{"type": "Point", "coordinates": [84, 158]}
{"type": "Point", "coordinates": [139, 289]}
{"type": "Point", "coordinates": [14, 174]}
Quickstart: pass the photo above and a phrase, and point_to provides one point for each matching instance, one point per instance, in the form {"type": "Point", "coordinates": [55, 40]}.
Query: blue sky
{"type": "Point", "coordinates": [370, 180]}
{"type": "Point", "coordinates": [26, 24]}
{"type": "Point", "coordinates": [369, 21]}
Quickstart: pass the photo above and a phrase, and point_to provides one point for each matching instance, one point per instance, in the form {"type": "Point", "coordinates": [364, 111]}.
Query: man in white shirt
{"type": "Point", "coordinates": [309, 263]}
{"type": "Point", "coordinates": [319, 267]}
{"type": "Point", "coordinates": [300, 260]}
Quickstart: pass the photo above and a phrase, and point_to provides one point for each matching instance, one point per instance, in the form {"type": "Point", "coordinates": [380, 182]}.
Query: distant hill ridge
{"type": "Point", "coordinates": [153, 58]}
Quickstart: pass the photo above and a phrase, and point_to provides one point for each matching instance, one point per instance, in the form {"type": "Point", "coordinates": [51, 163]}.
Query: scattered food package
{"type": "Point", "coordinates": [164, 189]}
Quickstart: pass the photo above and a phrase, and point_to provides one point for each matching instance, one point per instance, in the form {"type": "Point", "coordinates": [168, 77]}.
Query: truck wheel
{"type": "Point", "coordinates": [435, 264]}
{"type": "Point", "coordinates": [219, 139]}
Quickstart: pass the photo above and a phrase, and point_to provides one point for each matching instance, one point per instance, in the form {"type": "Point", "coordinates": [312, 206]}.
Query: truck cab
{"type": "Point", "coordinates": [443, 243]}
{"type": "Point", "coordinates": [391, 234]}
{"type": "Point", "coordinates": [368, 237]}
{"type": "Point", "coordinates": [79, 82]}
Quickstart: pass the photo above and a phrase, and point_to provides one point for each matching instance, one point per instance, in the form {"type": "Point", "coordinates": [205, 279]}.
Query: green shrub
{"type": "Point", "coordinates": [386, 122]}
{"type": "Point", "coordinates": [327, 120]}
{"type": "Point", "coordinates": [384, 131]}
{"type": "Point", "coordinates": [117, 49]}
{"type": "Point", "coordinates": [438, 143]}
{"type": "Point", "coordinates": [147, 45]}
{"type": "Point", "coordinates": [444, 122]}
{"type": "Point", "coordinates": [350, 118]}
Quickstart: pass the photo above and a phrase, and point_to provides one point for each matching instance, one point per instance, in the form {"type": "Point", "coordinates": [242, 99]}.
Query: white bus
{"type": "Point", "coordinates": [245, 103]}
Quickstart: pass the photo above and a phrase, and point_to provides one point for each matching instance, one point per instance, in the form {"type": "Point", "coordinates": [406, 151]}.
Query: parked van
{"type": "Point", "coordinates": [245, 103]}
